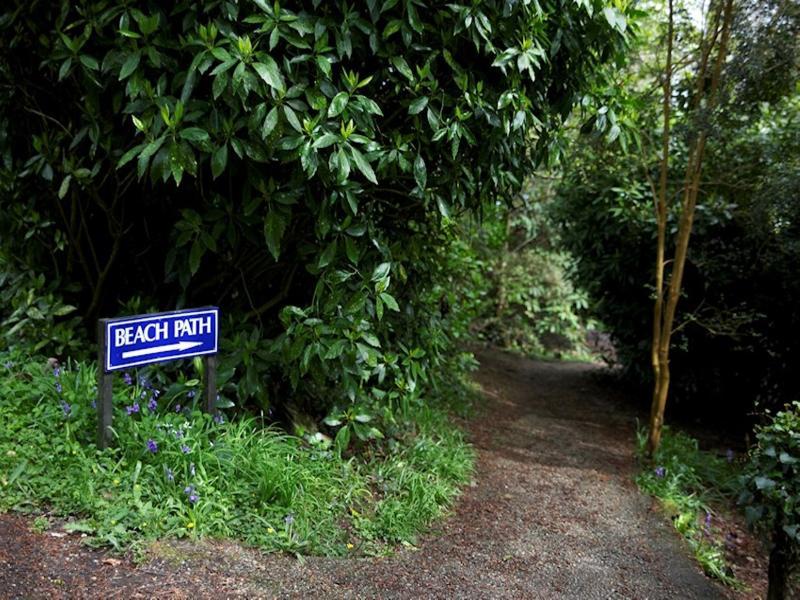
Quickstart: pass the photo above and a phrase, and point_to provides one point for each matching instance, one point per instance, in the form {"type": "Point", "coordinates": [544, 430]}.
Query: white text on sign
{"type": "Point", "coordinates": [156, 332]}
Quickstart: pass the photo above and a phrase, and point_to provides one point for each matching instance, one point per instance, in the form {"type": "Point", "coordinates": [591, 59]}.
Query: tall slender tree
{"type": "Point", "coordinates": [713, 48]}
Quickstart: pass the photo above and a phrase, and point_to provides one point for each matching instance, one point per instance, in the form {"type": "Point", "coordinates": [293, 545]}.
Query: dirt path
{"type": "Point", "coordinates": [553, 513]}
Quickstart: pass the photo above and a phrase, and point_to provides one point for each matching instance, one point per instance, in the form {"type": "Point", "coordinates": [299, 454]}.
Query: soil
{"type": "Point", "coordinates": [552, 513]}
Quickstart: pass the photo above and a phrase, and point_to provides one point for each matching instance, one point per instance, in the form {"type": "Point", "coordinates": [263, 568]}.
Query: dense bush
{"type": "Point", "coordinates": [771, 493]}
{"type": "Point", "coordinates": [738, 324]}
{"type": "Point", "coordinates": [305, 159]}
{"type": "Point", "coordinates": [520, 284]}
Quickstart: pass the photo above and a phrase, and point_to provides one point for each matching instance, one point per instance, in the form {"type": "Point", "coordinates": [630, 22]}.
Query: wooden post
{"type": "Point", "coordinates": [210, 384]}
{"type": "Point", "coordinates": [104, 389]}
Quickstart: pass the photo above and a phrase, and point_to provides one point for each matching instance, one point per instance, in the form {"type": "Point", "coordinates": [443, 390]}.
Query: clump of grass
{"type": "Point", "coordinates": [177, 472]}
{"type": "Point", "coordinates": [689, 482]}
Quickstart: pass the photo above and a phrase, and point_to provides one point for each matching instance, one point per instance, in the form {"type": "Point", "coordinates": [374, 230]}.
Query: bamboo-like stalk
{"type": "Point", "coordinates": [661, 219]}
{"type": "Point", "coordinates": [664, 312]}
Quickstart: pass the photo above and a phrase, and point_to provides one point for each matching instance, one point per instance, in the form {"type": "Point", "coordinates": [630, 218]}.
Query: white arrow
{"type": "Point", "coordinates": [180, 347]}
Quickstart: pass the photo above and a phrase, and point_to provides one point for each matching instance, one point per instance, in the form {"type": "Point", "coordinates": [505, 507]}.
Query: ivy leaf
{"type": "Point", "coordinates": [342, 440]}
{"type": "Point", "coordinates": [363, 165]}
{"type": "Point", "coordinates": [401, 65]}
{"type": "Point", "coordinates": [324, 65]}
{"type": "Point", "coordinates": [64, 188]}
{"type": "Point", "coordinates": [351, 250]}
{"type": "Point", "coordinates": [389, 301]}
{"type": "Point", "coordinates": [291, 117]}
{"type": "Point", "coordinates": [327, 255]}
{"type": "Point", "coordinates": [444, 208]}
{"type": "Point", "coordinates": [130, 64]}
{"type": "Point", "coordinates": [130, 155]}
{"type": "Point", "coordinates": [269, 122]}
{"type": "Point", "coordinates": [764, 483]}
{"type": "Point", "coordinates": [274, 228]}
{"type": "Point", "coordinates": [381, 271]}
{"type": "Point", "coordinates": [418, 105]}
{"type": "Point", "coordinates": [89, 62]}
{"type": "Point", "coordinates": [420, 173]}
{"type": "Point", "coordinates": [194, 134]}
{"type": "Point", "coordinates": [195, 254]}
{"type": "Point", "coordinates": [270, 73]}
{"type": "Point", "coordinates": [325, 140]}
{"type": "Point", "coordinates": [338, 104]}
{"type": "Point", "coordinates": [219, 160]}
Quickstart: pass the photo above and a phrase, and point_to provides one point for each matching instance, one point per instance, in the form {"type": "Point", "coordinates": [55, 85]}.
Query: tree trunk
{"type": "Point", "coordinates": [778, 564]}
{"type": "Point", "coordinates": [659, 361]}
{"type": "Point", "coordinates": [664, 311]}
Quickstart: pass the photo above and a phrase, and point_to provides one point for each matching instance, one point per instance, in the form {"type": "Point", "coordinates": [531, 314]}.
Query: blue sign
{"type": "Point", "coordinates": [145, 339]}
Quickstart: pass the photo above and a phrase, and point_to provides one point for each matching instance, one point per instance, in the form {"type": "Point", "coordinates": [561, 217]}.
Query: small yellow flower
{"type": "Point", "coordinates": [190, 525]}
{"type": "Point", "coordinates": [116, 482]}
{"type": "Point", "coordinates": [270, 530]}
{"type": "Point", "coordinates": [349, 546]}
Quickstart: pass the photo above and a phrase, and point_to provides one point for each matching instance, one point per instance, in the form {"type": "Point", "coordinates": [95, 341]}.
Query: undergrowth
{"type": "Point", "coordinates": [691, 484]}
{"type": "Point", "coordinates": [177, 472]}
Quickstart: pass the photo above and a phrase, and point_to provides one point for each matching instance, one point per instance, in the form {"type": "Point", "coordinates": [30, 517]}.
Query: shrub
{"type": "Point", "coordinates": [771, 493]}
{"type": "Point", "coordinates": [304, 159]}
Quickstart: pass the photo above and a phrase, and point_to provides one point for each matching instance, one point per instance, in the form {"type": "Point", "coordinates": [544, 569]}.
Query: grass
{"type": "Point", "coordinates": [176, 472]}
{"type": "Point", "coordinates": [690, 483]}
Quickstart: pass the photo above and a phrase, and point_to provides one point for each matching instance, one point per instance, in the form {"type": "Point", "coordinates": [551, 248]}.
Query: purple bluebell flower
{"type": "Point", "coordinates": [57, 372]}
{"type": "Point", "coordinates": [729, 455]}
{"type": "Point", "coordinates": [170, 475]}
{"type": "Point", "coordinates": [66, 408]}
{"type": "Point", "coordinates": [178, 433]}
{"type": "Point", "coordinates": [126, 377]}
{"type": "Point", "coordinates": [94, 404]}
{"type": "Point", "coordinates": [156, 393]}
{"type": "Point", "coordinates": [289, 519]}
{"type": "Point", "coordinates": [152, 405]}
{"type": "Point", "coordinates": [133, 408]}
{"type": "Point", "coordinates": [219, 419]}
{"type": "Point", "coordinates": [660, 471]}
{"type": "Point", "coordinates": [177, 408]}
{"type": "Point", "coordinates": [192, 493]}
{"type": "Point", "coordinates": [190, 394]}
{"type": "Point", "coordinates": [144, 382]}
{"type": "Point", "coordinates": [152, 446]}
{"type": "Point", "coordinates": [8, 365]}
{"type": "Point", "coordinates": [59, 389]}
{"type": "Point", "coordinates": [185, 449]}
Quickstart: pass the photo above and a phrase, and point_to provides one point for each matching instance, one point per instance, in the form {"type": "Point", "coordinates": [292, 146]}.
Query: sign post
{"type": "Point", "coordinates": [144, 339]}
{"type": "Point", "coordinates": [104, 381]}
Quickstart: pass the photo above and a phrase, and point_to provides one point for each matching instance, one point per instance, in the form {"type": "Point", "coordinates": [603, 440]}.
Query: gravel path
{"type": "Point", "coordinates": [553, 513]}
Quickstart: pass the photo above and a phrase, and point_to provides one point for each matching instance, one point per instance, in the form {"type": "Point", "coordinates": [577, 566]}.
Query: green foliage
{"type": "Point", "coordinates": [771, 493]}
{"type": "Point", "coordinates": [299, 164]}
{"type": "Point", "coordinates": [518, 282]}
{"type": "Point", "coordinates": [737, 325]}
{"type": "Point", "coordinates": [34, 315]}
{"type": "Point", "coordinates": [689, 482]}
{"type": "Point", "coordinates": [177, 472]}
